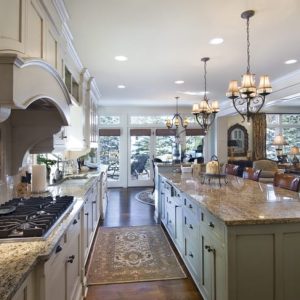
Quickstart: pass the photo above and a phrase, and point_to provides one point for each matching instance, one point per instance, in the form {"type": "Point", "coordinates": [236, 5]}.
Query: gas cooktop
{"type": "Point", "coordinates": [34, 217]}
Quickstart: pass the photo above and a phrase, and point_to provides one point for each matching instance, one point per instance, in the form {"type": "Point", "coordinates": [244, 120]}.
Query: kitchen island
{"type": "Point", "coordinates": [29, 268]}
{"type": "Point", "coordinates": [239, 241]}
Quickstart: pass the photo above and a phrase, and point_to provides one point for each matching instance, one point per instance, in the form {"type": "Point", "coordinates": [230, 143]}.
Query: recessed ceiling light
{"type": "Point", "coordinates": [121, 58]}
{"type": "Point", "coordinates": [191, 93]}
{"type": "Point", "coordinates": [216, 41]}
{"type": "Point", "coordinates": [179, 82]}
{"type": "Point", "coordinates": [121, 86]}
{"type": "Point", "coordinates": [290, 61]}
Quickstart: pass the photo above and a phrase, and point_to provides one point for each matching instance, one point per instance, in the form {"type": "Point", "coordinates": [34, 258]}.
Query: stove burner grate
{"type": "Point", "coordinates": [33, 217]}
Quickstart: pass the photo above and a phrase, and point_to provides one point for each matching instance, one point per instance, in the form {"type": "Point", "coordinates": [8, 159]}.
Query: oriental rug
{"type": "Point", "coordinates": [132, 254]}
{"type": "Point", "coordinates": [145, 197]}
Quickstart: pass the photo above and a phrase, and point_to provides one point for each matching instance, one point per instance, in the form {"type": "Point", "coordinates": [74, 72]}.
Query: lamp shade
{"type": "Point", "coordinates": [279, 140]}
{"type": "Point", "coordinates": [294, 150]}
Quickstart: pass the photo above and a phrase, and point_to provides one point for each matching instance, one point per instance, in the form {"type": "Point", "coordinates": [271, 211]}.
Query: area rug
{"type": "Point", "coordinates": [132, 254]}
{"type": "Point", "coordinates": [145, 197]}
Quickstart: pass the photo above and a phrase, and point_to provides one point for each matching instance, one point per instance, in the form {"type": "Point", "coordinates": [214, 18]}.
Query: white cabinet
{"type": "Point", "coordinates": [213, 281]}
{"type": "Point", "coordinates": [27, 289]}
{"type": "Point", "coordinates": [59, 276]}
{"type": "Point", "coordinates": [191, 232]}
{"type": "Point", "coordinates": [87, 226]}
{"type": "Point", "coordinates": [102, 191]}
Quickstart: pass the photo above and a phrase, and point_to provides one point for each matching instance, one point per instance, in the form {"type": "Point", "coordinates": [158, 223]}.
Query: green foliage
{"type": "Point", "coordinates": [42, 159]}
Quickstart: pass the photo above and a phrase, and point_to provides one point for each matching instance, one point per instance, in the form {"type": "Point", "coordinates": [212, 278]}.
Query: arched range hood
{"type": "Point", "coordinates": [34, 103]}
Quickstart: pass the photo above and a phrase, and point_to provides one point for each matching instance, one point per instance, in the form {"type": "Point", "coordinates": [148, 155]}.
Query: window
{"type": "Point", "coordinates": [148, 120]}
{"type": "Point", "coordinates": [110, 152]}
{"type": "Point", "coordinates": [194, 143]}
{"type": "Point", "coordinates": [288, 125]}
{"type": "Point", "coordinates": [109, 120]}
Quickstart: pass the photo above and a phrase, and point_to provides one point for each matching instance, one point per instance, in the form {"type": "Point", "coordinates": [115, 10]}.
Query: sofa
{"type": "Point", "coordinates": [268, 169]}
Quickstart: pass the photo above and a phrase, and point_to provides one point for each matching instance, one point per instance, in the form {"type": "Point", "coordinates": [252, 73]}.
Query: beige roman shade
{"type": "Point", "coordinates": [140, 132]}
{"type": "Point", "coordinates": [165, 132]}
{"type": "Point", "coordinates": [194, 132]}
{"type": "Point", "coordinates": [110, 132]}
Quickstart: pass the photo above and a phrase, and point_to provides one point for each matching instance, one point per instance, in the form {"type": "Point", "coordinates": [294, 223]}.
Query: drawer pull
{"type": "Point", "coordinates": [75, 221]}
{"type": "Point", "coordinates": [190, 206]}
{"type": "Point", "coordinates": [58, 248]}
{"type": "Point", "coordinates": [191, 226]}
{"type": "Point", "coordinates": [71, 259]}
{"type": "Point", "coordinates": [94, 202]}
{"type": "Point", "coordinates": [209, 249]}
{"type": "Point", "coordinates": [191, 254]}
{"type": "Point", "coordinates": [211, 224]}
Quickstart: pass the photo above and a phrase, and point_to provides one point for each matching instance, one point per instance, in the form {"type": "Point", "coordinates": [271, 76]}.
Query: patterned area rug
{"type": "Point", "coordinates": [131, 254]}
{"type": "Point", "coordinates": [145, 197]}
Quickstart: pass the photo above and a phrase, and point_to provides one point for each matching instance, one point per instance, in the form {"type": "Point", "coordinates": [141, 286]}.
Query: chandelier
{"type": "Point", "coordinates": [205, 112]}
{"type": "Point", "coordinates": [177, 119]}
{"type": "Point", "coordinates": [247, 99]}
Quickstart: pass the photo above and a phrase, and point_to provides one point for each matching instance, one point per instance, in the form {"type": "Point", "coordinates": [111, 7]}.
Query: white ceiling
{"type": "Point", "coordinates": [165, 40]}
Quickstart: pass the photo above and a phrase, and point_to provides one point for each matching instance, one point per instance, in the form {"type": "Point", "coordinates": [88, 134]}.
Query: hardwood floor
{"type": "Point", "coordinates": [123, 210]}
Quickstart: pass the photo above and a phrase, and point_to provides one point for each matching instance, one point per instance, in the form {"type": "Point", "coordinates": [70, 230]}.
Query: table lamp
{"type": "Point", "coordinates": [294, 151]}
{"type": "Point", "coordinates": [280, 141]}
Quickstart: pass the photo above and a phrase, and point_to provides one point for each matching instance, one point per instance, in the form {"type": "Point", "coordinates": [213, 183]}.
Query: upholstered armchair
{"type": "Point", "coordinates": [268, 167]}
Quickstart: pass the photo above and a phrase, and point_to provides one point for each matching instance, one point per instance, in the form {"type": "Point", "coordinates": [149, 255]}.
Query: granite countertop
{"type": "Point", "coordinates": [18, 259]}
{"type": "Point", "coordinates": [240, 201]}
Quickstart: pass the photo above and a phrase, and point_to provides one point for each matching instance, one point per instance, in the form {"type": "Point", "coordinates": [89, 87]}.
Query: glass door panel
{"type": "Point", "coordinates": [140, 165]}
{"type": "Point", "coordinates": [164, 147]}
{"type": "Point", "coordinates": [110, 156]}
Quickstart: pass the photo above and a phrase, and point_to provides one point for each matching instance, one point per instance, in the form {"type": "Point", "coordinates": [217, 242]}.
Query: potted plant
{"type": "Point", "coordinates": [41, 159]}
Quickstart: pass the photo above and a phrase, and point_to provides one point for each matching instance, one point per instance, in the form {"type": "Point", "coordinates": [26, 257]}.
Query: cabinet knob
{"type": "Point", "coordinates": [75, 221]}
{"type": "Point", "coordinates": [191, 254]}
{"type": "Point", "coordinates": [94, 202]}
{"type": "Point", "coordinates": [209, 249]}
{"type": "Point", "coordinates": [170, 221]}
{"type": "Point", "coordinates": [86, 214]}
{"type": "Point", "coordinates": [58, 248]}
{"type": "Point", "coordinates": [211, 224]}
{"type": "Point", "coordinates": [71, 259]}
{"type": "Point", "coordinates": [191, 226]}
{"type": "Point", "coordinates": [190, 206]}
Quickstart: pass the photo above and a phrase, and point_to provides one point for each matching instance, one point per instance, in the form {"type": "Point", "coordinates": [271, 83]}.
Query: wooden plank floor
{"type": "Point", "coordinates": [123, 210]}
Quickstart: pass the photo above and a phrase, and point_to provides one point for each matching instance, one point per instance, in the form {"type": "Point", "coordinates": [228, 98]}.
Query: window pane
{"type": "Point", "coordinates": [164, 147]}
{"type": "Point", "coordinates": [290, 119]}
{"type": "Point", "coordinates": [270, 149]}
{"type": "Point", "coordinates": [109, 120]}
{"type": "Point", "coordinates": [272, 119]}
{"type": "Point", "coordinates": [142, 120]}
{"type": "Point", "coordinates": [194, 147]}
{"type": "Point", "coordinates": [292, 136]}
{"type": "Point", "coordinates": [140, 153]}
{"type": "Point", "coordinates": [110, 156]}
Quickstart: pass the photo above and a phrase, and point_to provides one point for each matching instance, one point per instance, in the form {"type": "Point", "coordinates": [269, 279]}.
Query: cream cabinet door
{"type": "Point", "coordinates": [27, 289]}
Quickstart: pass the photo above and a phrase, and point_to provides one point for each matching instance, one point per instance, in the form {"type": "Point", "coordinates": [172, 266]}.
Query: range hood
{"type": "Point", "coordinates": [34, 105]}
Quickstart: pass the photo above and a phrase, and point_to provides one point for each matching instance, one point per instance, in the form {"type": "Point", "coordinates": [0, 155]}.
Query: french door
{"type": "Point", "coordinates": [144, 145]}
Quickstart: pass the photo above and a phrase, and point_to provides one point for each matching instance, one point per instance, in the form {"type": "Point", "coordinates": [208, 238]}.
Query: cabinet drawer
{"type": "Point", "coordinates": [212, 225]}
{"type": "Point", "coordinates": [190, 205]}
{"type": "Point", "coordinates": [191, 225]}
{"type": "Point", "coordinates": [73, 229]}
{"type": "Point", "coordinates": [192, 256]}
